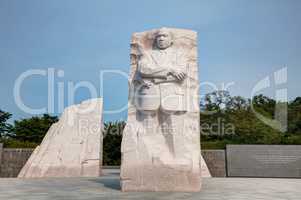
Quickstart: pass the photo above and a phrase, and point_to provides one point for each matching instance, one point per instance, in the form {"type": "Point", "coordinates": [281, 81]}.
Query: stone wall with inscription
{"type": "Point", "coordinates": [14, 159]}
{"type": "Point", "coordinates": [264, 161]}
{"type": "Point", "coordinates": [242, 161]}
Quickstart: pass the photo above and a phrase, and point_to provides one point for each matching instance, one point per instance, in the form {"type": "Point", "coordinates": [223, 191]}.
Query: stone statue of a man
{"type": "Point", "coordinates": [161, 142]}
{"type": "Point", "coordinates": [161, 72]}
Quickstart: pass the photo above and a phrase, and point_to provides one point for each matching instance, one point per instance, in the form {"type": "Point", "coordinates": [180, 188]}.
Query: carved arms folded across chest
{"type": "Point", "coordinates": [170, 73]}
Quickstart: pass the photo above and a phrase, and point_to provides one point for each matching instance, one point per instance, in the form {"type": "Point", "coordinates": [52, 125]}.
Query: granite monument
{"type": "Point", "coordinates": [161, 141]}
{"type": "Point", "coordinates": [72, 147]}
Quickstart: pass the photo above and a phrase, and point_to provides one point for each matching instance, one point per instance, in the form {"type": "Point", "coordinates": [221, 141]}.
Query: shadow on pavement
{"type": "Point", "coordinates": [109, 183]}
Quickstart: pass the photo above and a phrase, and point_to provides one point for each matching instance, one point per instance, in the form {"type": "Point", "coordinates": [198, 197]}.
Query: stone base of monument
{"type": "Point", "coordinates": [168, 178]}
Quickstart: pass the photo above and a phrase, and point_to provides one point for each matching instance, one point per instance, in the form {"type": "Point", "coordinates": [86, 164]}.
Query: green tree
{"type": "Point", "coordinates": [112, 142]}
{"type": "Point", "coordinates": [215, 101]}
{"type": "Point", "coordinates": [294, 116]}
{"type": "Point", "coordinates": [33, 129]}
{"type": "Point", "coordinates": [264, 105]}
{"type": "Point", "coordinates": [248, 128]}
{"type": "Point", "coordinates": [5, 127]}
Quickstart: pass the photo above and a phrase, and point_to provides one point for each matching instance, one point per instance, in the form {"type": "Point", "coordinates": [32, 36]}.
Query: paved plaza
{"type": "Point", "coordinates": [107, 187]}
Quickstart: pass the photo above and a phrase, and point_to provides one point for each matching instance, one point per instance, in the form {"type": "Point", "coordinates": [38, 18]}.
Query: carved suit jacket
{"type": "Point", "coordinates": [157, 88]}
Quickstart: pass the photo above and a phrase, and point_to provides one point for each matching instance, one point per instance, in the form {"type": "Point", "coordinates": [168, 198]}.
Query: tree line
{"type": "Point", "coordinates": [239, 122]}
{"type": "Point", "coordinates": [224, 119]}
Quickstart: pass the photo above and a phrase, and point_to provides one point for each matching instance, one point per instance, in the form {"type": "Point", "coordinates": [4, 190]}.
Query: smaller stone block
{"type": "Point", "coordinates": [72, 146]}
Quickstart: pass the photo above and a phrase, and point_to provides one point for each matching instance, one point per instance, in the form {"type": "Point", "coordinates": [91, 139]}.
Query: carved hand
{"type": "Point", "coordinates": [179, 75]}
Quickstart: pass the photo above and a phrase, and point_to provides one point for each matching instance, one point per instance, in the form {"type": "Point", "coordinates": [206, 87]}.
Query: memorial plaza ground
{"type": "Point", "coordinates": [107, 187]}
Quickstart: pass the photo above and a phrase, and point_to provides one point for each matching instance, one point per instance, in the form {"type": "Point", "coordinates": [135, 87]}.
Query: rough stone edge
{"type": "Point", "coordinates": [27, 166]}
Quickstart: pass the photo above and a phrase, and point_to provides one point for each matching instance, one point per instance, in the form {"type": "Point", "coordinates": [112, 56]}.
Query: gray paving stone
{"type": "Point", "coordinates": [107, 187]}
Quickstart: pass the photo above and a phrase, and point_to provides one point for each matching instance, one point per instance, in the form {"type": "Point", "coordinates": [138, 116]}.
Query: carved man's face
{"type": "Point", "coordinates": [163, 40]}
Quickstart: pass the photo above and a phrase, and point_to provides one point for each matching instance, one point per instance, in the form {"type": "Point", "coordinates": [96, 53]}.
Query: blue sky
{"type": "Point", "coordinates": [239, 41]}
